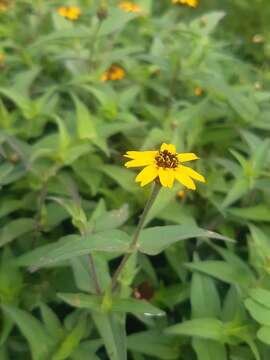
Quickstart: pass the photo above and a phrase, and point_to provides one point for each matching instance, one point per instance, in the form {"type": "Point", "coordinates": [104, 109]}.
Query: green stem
{"type": "Point", "coordinates": [93, 273]}
{"type": "Point", "coordinates": [132, 246]}
{"type": "Point", "coordinates": [92, 267]}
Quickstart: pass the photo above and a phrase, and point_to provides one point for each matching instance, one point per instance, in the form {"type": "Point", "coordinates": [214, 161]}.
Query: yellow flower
{"type": "Point", "coordinates": [2, 59]}
{"type": "Point", "coordinates": [113, 73]}
{"type": "Point", "coordinates": [69, 12]}
{"type": "Point", "coordinates": [3, 5]}
{"type": "Point", "coordinates": [164, 164]}
{"type": "Point", "coordinates": [181, 194]}
{"type": "Point", "coordinates": [191, 3]}
{"type": "Point", "coordinates": [129, 6]}
{"type": "Point", "coordinates": [198, 91]}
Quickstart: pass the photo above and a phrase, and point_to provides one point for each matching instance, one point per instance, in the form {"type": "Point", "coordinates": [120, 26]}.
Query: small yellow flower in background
{"type": "Point", "coordinates": [191, 3]}
{"type": "Point", "coordinates": [2, 59]}
{"type": "Point", "coordinates": [113, 73]}
{"type": "Point", "coordinates": [181, 194]}
{"type": "Point", "coordinates": [164, 164]}
{"type": "Point", "coordinates": [129, 6]}
{"type": "Point", "coordinates": [198, 91]}
{"type": "Point", "coordinates": [3, 5]}
{"type": "Point", "coordinates": [69, 12]}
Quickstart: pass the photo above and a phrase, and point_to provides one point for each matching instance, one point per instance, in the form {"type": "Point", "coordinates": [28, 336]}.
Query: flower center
{"type": "Point", "coordinates": [165, 159]}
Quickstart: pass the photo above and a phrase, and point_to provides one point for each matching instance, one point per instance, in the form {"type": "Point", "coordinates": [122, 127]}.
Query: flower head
{"type": "Point", "coordinates": [191, 3]}
{"type": "Point", "coordinates": [181, 194]}
{"type": "Point", "coordinates": [2, 59]}
{"type": "Point", "coordinates": [164, 164]}
{"type": "Point", "coordinates": [113, 73]}
{"type": "Point", "coordinates": [3, 5]}
{"type": "Point", "coordinates": [129, 6]}
{"type": "Point", "coordinates": [69, 12]}
{"type": "Point", "coordinates": [198, 91]}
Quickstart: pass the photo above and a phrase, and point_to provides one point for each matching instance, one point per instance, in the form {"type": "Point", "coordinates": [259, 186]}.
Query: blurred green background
{"type": "Point", "coordinates": [195, 77]}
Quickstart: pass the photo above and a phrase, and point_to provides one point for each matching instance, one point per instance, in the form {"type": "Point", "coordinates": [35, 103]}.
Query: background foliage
{"type": "Point", "coordinates": [198, 78]}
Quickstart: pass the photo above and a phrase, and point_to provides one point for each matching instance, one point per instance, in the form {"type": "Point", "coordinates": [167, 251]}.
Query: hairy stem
{"type": "Point", "coordinates": [93, 273]}
{"type": "Point", "coordinates": [132, 246]}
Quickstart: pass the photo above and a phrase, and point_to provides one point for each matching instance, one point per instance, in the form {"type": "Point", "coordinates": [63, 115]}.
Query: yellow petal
{"type": "Point", "coordinates": [147, 175]}
{"type": "Point", "coordinates": [139, 162]}
{"type": "Point", "coordinates": [184, 179]}
{"type": "Point", "coordinates": [166, 177]}
{"type": "Point", "coordinates": [140, 154]}
{"type": "Point", "coordinates": [169, 147]}
{"type": "Point", "coordinates": [187, 157]}
{"type": "Point", "coordinates": [192, 173]}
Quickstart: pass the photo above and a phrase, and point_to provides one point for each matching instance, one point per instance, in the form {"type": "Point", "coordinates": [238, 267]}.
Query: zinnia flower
{"type": "Point", "coordinates": [191, 3]}
{"type": "Point", "coordinates": [166, 165]}
{"type": "Point", "coordinates": [69, 12]}
{"type": "Point", "coordinates": [129, 6]}
{"type": "Point", "coordinates": [113, 73]}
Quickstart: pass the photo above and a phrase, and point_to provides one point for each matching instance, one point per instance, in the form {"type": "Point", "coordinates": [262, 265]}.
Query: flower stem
{"type": "Point", "coordinates": [136, 234]}
{"type": "Point", "coordinates": [92, 267]}
{"type": "Point", "coordinates": [93, 273]}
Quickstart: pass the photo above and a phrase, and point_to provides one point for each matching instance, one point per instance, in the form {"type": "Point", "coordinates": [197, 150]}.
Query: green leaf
{"type": "Point", "coordinates": [72, 340]}
{"type": "Point", "coordinates": [259, 248]}
{"type": "Point", "coordinates": [264, 334]}
{"type": "Point", "coordinates": [209, 349]}
{"type": "Point", "coordinates": [82, 274]}
{"type": "Point", "coordinates": [8, 206]}
{"type": "Point", "coordinates": [112, 219]}
{"type": "Point", "coordinates": [136, 307]}
{"type": "Point", "coordinates": [15, 229]}
{"type": "Point", "coordinates": [244, 106]}
{"type": "Point", "coordinates": [223, 271]}
{"type": "Point", "coordinates": [164, 198]}
{"type": "Point", "coordinates": [261, 296]}
{"type": "Point", "coordinates": [11, 279]}
{"type": "Point", "coordinates": [259, 312]}
{"type": "Point", "coordinates": [21, 101]}
{"type": "Point", "coordinates": [51, 322]}
{"type": "Point", "coordinates": [72, 246]}
{"type": "Point", "coordinates": [233, 306]}
{"type": "Point", "coordinates": [79, 32]}
{"type": "Point", "coordinates": [39, 340]}
{"type": "Point", "coordinates": [123, 177]}
{"type": "Point", "coordinates": [259, 212]}
{"type": "Point", "coordinates": [133, 306]}
{"type": "Point", "coordinates": [86, 127]}
{"type": "Point", "coordinates": [154, 240]}
{"type": "Point", "coordinates": [205, 300]}
{"type": "Point", "coordinates": [259, 156]}
{"type": "Point", "coordinates": [112, 330]}
{"type": "Point", "coordinates": [236, 191]}
{"type": "Point", "coordinates": [211, 21]}
{"type": "Point", "coordinates": [6, 327]}
{"type": "Point", "coordinates": [153, 343]}
{"type": "Point", "coordinates": [207, 328]}
{"type": "Point", "coordinates": [82, 301]}
{"type": "Point", "coordinates": [115, 22]}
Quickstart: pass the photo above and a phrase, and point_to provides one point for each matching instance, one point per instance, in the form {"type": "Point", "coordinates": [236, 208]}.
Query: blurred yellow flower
{"type": "Point", "coordinates": [69, 12]}
{"type": "Point", "coordinates": [198, 91]}
{"type": "Point", "coordinates": [2, 59]}
{"type": "Point", "coordinates": [191, 3]}
{"type": "Point", "coordinates": [181, 194]}
{"type": "Point", "coordinates": [129, 6]}
{"type": "Point", "coordinates": [113, 73]}
{"type": "Point", "coordinates": [164, 165]}
{"type": "Point", "coordinates": [3, 5]}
